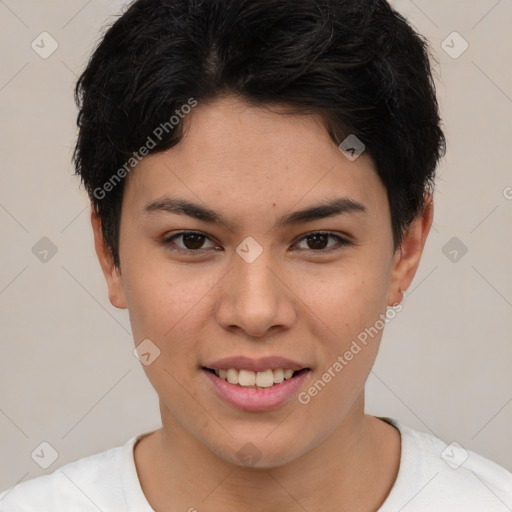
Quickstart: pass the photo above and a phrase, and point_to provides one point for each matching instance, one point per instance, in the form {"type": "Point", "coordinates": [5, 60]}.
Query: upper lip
{"type": "Point", "coordinates": [255, 365]}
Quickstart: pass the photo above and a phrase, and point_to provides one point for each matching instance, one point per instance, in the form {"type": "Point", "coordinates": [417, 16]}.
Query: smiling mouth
{"type": "Point", "coordinates": [256, 380]}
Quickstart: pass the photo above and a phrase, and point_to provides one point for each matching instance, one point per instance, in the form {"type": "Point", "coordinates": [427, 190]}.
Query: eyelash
{"type": "Point", "coordinates": [342, 242]}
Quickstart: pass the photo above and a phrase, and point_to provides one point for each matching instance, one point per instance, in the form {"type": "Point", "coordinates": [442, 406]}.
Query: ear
{"type": "Point", "coordinates": [407, 256]}
{"type": "Point", "coordinates": [111, 272]}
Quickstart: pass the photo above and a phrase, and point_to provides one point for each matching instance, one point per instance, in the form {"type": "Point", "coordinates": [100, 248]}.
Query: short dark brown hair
{"type": "Point", "coordinates": [356, 63]}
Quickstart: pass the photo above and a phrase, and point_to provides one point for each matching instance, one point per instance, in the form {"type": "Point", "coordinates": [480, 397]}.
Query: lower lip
{"type": "Point", "coordinates": [263, 399]}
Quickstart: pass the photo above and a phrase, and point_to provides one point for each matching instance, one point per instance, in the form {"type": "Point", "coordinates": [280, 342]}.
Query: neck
{"type": "Point", "coordinates": [358, 460]}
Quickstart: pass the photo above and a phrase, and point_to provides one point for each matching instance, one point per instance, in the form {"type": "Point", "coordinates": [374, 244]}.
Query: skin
{"type": "Point", "coordinates": [253, 165]}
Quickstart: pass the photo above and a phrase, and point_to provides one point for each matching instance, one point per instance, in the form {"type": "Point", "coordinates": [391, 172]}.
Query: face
{"type": "Point", "coordinates": [255, 283]}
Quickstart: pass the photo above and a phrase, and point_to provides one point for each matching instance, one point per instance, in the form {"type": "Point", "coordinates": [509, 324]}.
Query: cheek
{"type": "Point", "coordinates": [167, 310]}
{"type": "Point", "coordinates": [347, 310]}
{"type": "Point", "coordinates": [347, 299]}
{"type": "Point", "coordinates": [350, 331]}
{"type": "Point", "coordinates": [168, 304]}
{"type": "Point", "coordinates": [158, 304]}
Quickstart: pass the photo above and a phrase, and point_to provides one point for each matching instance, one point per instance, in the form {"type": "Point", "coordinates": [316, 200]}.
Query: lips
{"type": "Point", "coordinates": [254, 399]}
{"type": "Point", "coordinates": [255, 365]}
{"type": "Point", "coordinates": [260, 395]}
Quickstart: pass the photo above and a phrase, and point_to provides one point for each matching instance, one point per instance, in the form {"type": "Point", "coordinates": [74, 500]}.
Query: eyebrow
{"type": "Point", "coordinates": [328, 208]}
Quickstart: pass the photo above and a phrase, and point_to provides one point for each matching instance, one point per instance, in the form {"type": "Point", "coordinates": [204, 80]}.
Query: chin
{"type": "Point", "coordinates": [259, 453]}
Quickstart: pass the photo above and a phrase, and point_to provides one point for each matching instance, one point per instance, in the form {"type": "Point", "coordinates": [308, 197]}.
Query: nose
{"type": "Point", "coordinates": [256, 297]}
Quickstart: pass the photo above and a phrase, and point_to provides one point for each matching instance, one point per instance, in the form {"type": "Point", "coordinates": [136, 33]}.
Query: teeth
{"type": "Point", "coordinates": [265, 379]}
{"type": "Point", "coordinates": [278, 376]}
{"type": "Point", "coordinates": [246, 378]}
{"type": "Point", "coordinates": [232, 376]}
{"type": "Point", "coordinates": [250, 379]}
{"type": "Point", "coordinates": [288, 374]}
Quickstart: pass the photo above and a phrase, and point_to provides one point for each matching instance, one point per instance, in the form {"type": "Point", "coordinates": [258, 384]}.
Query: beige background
{"type": "Point", "coordinates": [67, 372]}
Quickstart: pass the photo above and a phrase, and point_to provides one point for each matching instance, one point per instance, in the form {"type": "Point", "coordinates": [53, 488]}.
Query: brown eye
{"type": "Point", "coordinates": [318, 240]}
{"type": "Point", "coordinates": [192, 241]}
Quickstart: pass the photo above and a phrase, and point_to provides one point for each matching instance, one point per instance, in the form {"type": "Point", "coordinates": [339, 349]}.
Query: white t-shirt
{"type": "Point", "coordinates": [433, 477]}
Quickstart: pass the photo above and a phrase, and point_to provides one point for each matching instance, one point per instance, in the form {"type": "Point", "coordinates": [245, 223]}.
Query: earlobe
{"type": "Point", "coordinates": [408, 255]}
{"type": "Point", "coordinates": [111, 272]}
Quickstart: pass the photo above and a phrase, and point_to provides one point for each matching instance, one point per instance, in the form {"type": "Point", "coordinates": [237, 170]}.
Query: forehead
{"type": "Point", "coordinates": [245, 158]}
